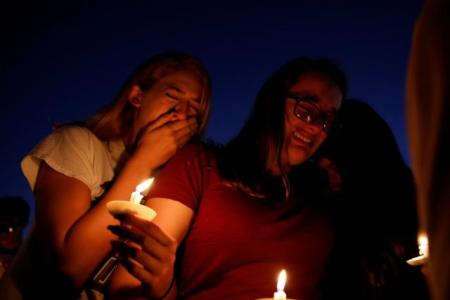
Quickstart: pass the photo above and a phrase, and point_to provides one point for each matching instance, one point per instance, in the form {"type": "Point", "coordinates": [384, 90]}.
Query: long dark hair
{"type": "Point", "coordinates": [378, 200]}
{"type": "Point", "coordinates": [242, 162]}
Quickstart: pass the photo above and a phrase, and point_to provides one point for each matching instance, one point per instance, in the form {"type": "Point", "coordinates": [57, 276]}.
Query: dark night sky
{"type": "Point", "coordinates": [62, 60]}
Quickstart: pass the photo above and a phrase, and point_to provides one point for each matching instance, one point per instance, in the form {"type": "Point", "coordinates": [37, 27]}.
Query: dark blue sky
{"type": "Point", "coordinates": [63, 60]}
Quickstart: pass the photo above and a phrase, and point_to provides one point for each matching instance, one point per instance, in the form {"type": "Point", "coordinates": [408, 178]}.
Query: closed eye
{"type": "Point", "coordinates": [172, 97]}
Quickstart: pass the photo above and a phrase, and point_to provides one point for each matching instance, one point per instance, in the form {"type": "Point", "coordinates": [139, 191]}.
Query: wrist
{"type": "Point", "coordinates": [166, 292]}
{"type": "Point", "coordinates": [144, 159]}
{"type": "Point", "coordinates": [139, 163]}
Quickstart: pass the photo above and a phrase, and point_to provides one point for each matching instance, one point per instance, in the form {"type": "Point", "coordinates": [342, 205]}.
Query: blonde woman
{"type": "Point", "coordinates": [77, 169]}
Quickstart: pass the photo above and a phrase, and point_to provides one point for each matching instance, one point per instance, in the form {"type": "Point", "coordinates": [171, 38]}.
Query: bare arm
{"type": "Point", "coordinates": [65, 223]}
{"type": "Point", "coordinates": [68, 228]}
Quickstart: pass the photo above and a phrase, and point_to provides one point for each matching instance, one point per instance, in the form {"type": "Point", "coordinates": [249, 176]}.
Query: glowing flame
{"type": "Point", "coordinates": [144, 186]}
{"type": "Point", "coordinates": [141, 191]}
{"type": "Point", "coordinates": [281, 280]}
{"type": "Point", "coordinates": [422, 241]}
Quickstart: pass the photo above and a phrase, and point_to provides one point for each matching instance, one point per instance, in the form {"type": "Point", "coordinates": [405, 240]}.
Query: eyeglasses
{"type": "Point", "coordinates": [307, 111]}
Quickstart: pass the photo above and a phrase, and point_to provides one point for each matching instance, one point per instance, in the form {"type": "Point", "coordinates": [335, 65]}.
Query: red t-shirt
{"type": "Point", "coordinates": [237, 244]}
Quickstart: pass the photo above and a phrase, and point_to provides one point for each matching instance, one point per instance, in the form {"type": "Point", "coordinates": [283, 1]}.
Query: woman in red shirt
{"type": "Point", "coordinates": [242, 212]}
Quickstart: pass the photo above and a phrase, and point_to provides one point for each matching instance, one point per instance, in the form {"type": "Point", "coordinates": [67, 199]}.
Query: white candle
{"type": "Point", "coordinates": [134, 206]}
{"type": "Point", "coordinates": [280, 294]}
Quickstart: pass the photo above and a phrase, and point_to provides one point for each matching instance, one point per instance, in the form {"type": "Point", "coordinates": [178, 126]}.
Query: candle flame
{"type": "Point", "coordinates": [282, 277]}
{"type": "Point", "coordinates": [422, 241]}
{"type": "Point", "coordinates": [144, 186]}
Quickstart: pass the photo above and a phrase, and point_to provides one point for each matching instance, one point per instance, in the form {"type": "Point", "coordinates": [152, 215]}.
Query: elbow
{"type": "Point", "coordinates": [73, 272]}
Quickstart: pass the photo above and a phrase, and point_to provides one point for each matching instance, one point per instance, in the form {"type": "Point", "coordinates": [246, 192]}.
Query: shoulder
{"type": "Point", "coordinates": [75, 138]}
{"type": "Point", "coordinates": [196, 151]}
{"type": "Point", "coordinates": [76, 133]}
{"type": "Point", "coordinates": [188, 164]}
{"type": "Point", "coordinates": [73, 151]}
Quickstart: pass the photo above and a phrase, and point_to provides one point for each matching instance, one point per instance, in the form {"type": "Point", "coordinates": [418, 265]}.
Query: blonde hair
{"type": "Point", "coordinates": [115, 119]}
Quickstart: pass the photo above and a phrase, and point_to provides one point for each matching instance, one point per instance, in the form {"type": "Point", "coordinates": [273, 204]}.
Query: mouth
{"type": "Point", "coordinates": [301, 139]}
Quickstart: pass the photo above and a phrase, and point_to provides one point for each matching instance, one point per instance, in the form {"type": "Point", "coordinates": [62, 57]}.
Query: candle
{"type": "Point", "coordinates": [280, 294]}
{"type": "Point", "coordinates": [422, 241]}
{"type": "Point", "coordinates": [134, 206]}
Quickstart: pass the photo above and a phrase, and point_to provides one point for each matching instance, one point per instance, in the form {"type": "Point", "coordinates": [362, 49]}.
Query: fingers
{"type": "Point", "coordinates": [158, 262]}
{"type": "Point", "coordinates": [125, 233]}
{"type": "Point", "coordinates": [143, 237]}
{"type": "Point", "coordinates": [184, 133]}
{"type": "Point", "coordinates": [156, 285]}
{"type": "Point", "coordinates": [139, 272]}
{"type": "Point", "coordinates": [160, 121]}
{"type": "Point", "coordinates": [175, 124]}
{"type": "Point", "coordinates": [164, 130]}
{"type": "Point", "coordinates": [190, 123]}
{"type": "Point", "coordinates": [146, 258]}
{"type": "Point", "coordinates": [149, 228]}
{"type": "Point", "coordinates": [147, 252]}
{"type": "Point", "coordinates": [155, 145]}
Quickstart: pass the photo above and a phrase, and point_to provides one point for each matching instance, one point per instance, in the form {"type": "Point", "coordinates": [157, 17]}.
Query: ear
{"type": "Point", "coordinates": [135, 96]}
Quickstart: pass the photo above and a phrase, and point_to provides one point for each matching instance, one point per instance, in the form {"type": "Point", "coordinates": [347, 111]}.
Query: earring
{"type": "Point", "coordinates": [136, 101]}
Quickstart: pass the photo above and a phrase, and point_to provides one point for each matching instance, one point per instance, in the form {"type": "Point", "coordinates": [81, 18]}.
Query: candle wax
{"type": "Point", "coordinates": [280, 295]}
{"type": "Point", "coordinates": [122, 206]}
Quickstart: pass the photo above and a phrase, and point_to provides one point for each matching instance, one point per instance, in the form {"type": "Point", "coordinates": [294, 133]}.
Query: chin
{"type": "Point", "coordinates": [298, 156]}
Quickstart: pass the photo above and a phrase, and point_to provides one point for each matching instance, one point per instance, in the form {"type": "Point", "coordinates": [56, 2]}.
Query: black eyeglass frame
{"type": "Point", "coordinates": [310, 117]}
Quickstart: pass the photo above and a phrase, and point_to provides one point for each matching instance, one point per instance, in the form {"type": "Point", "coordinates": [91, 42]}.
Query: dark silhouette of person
{"type": "Point", "coordinates": [428, 112]}
{"type": "Point", "coordinates": [375, 211]}
{"type": "Point", "coordinates": [14, 213]}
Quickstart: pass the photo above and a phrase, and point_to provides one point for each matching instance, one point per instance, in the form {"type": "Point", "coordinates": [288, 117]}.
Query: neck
{"type": "Point", "coordinates": [129, 140]}
{"type": "Point", "coordinates": [277, 169]}
{"type": "Point", "coordinates": [273, 163]}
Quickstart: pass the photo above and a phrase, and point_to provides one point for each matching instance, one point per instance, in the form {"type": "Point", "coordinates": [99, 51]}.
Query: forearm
{"type": "Point", "coordinates": [86, 241]}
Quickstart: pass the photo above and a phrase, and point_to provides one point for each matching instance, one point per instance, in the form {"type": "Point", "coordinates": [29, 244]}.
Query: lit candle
{"type": "Point", "coordinates": [422, 241]}
{"type": "Point", "coordinates": [280, 294]}
{"type": "Point", "coordinates": [134, 206]}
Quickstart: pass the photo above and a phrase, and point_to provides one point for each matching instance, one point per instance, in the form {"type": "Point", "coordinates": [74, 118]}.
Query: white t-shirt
{"type": "Point", "coordinates": [76, 152]}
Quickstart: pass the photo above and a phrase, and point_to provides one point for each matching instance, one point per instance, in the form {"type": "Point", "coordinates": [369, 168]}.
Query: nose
{"type": "Point", "coordinates": [313, 127]}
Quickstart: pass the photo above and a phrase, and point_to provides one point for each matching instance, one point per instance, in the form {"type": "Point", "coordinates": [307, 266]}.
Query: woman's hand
{"type": "Point", "coordinates": [148, 254]}
{"type": "Point", "coordinates": [160, 139]}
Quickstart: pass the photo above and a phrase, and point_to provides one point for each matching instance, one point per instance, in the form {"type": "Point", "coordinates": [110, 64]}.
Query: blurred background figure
{"type": "Point", "coordinates": [428, 112]}
{"type": "Point", "coordinates": [375, 211]}
{"type": "Point", "coordinates": [14, 213]}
